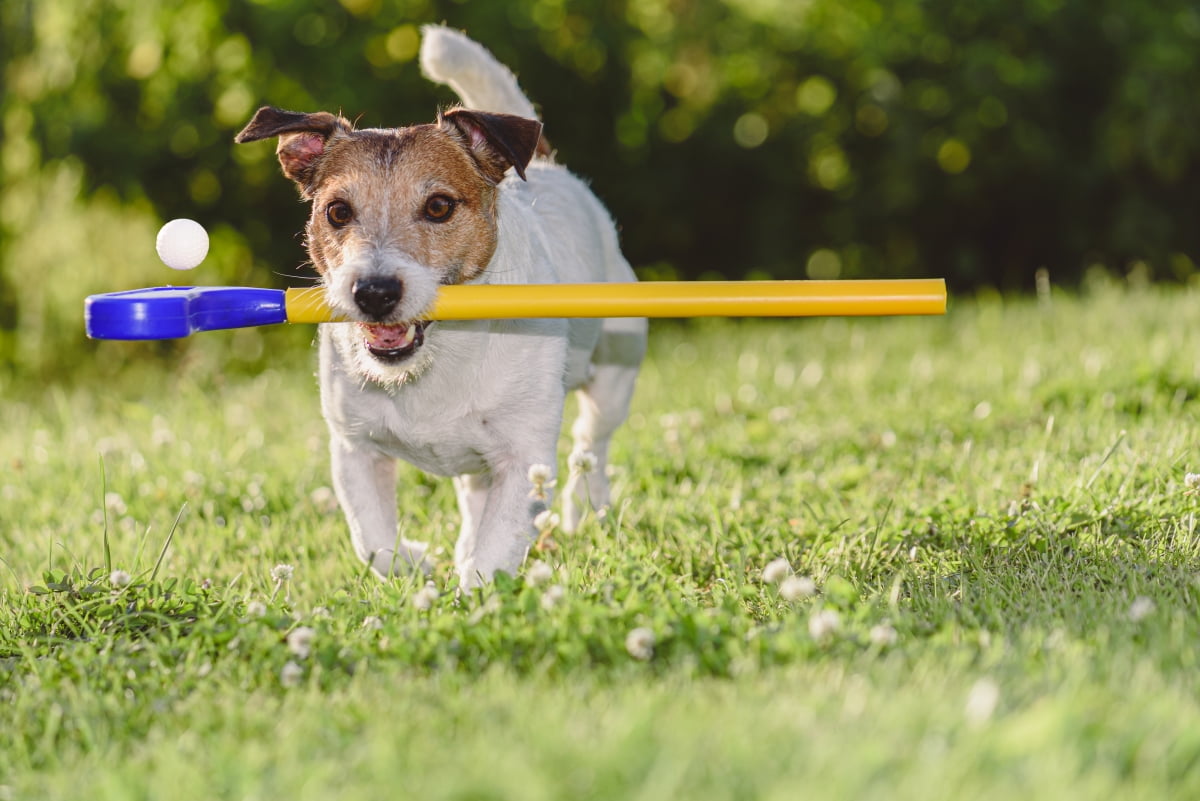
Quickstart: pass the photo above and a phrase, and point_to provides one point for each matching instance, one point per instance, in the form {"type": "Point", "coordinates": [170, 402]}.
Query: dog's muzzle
{"type": "Point", "coordinates": [388, 342]}
{"type": "Point", "coordinates": [393, 343]}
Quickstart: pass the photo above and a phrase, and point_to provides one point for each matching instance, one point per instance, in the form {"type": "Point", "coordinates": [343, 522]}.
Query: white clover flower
{"type": "Point", "coordinates": [581, 462]}
{"type": "Point", "coordinates": [1191, 481]}
{"type": "Point", "coordinates": [282, 573]}
{"type": "Point", "coordinates": [541, 476]}
{"type": "Point", "coordinates": [256, 609]}
{"type": "Point", "coordinates": [793, 588]}
{"type": "Point", "coordinates": [324, 499]}
{"type": "Point", "coordinates": [1141, 608]}
{"type": "Point", "coordinates": [640, 644]}
{"type": "Point", "coordinates": [538, 573]}
{"type": "Point", "coordinates": [823, 624]}
{"type": "Point", "coordinates": [982, 700]}
{"type": "Point", "coordinates": [119, 579]}
{"type": "Point", "coordinates": [424, 598]}
{"type": "Point", "coordinates": [546, 521]}
{"type": "Point", "coordinates": [291, 674]}
{"type": "Point", "coordinates": [883, 635]}
{"type": "Point", "coordinates": [553, 596]}
{"type": "Point", "coordinates": [300, 640]}
{"type": "Point", "coordinates": [321, 613]}
{"type": "Point", "coordinates": [776, 570]}
{"type": "Point", "coordinates": [114, 503]}
{"type": "Point", "coordinates": [372, 623]}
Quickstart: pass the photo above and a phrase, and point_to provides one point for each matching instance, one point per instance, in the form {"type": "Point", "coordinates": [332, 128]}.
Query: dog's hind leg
{"type": "Point", "coordinates": [472, 491]}
{"type": "Point", "coordinates": [603, 406]}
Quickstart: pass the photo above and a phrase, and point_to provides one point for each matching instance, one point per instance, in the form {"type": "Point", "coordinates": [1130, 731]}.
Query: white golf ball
{"type": "Point", "coordinates": [182, 244]}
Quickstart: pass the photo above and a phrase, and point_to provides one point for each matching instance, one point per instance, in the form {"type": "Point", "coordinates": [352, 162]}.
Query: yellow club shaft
{"type": "Point", "coordinates": [664, 299]}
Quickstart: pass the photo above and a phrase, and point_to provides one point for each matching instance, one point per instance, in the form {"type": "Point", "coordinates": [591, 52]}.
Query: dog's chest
{"type": "Point", "coordinates": [437, 434]}
{"type": "Point", "coordinates": [440, 444]}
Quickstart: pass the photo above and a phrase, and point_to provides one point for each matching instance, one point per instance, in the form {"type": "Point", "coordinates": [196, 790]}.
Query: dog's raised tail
{"type": "Point", "coordinates": [481, 82]}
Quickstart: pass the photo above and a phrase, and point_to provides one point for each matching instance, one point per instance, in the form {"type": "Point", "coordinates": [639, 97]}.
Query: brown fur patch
{"type": "Point", "coordinates": [388, 177]}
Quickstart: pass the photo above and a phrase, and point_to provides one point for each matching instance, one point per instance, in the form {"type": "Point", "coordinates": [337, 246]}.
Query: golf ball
{"type": "Point", "coordinates": [182, 244]}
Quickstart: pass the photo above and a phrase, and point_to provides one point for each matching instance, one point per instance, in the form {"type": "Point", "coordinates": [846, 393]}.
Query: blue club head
{"type": "Point", "coordinates": [177, 312]}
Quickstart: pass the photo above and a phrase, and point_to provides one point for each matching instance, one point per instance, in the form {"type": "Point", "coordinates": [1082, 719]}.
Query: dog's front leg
{"type": "Point", "coordinates": [505, 529]}
{"type": "Point", "coordinates": [365, 483]}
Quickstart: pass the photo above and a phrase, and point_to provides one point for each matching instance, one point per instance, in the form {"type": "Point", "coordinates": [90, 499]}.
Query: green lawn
{"type": "Point", "coordinates": [994, 506]}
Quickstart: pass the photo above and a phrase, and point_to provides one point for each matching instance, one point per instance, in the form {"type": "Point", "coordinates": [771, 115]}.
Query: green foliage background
{"type": "Point", "coordinates": [743, 138]}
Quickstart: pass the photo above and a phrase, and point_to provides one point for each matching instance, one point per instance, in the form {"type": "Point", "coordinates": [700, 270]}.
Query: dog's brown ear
{"type": "Point", "coordinates": [302, 138]}
{"type": "Point", "coordinates": [497, 141]}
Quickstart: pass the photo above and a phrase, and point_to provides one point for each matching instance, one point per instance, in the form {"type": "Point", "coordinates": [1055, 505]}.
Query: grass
{"type": "Point", "coordinates": [994, 505]}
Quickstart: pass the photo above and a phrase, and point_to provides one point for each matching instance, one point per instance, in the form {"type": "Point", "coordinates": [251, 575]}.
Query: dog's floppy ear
{"type": "Point", "coordinates": [497, 141]}
{"type": "Point", "coordinates": [302, 138]}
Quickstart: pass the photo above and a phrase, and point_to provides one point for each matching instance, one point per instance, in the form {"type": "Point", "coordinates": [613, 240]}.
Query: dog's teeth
{"type": "Point", "coordinates": [409, 335]}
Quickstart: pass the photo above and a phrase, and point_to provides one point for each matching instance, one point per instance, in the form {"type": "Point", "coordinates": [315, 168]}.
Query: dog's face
{"type": "Point", "coordinates": [396, 213]}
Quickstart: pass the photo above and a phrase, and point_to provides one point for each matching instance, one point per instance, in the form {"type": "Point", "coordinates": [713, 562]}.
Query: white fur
{"type": "Point", "coordinates": [482, 400]}
{"type": "Point", "coordinates": [482, 83]}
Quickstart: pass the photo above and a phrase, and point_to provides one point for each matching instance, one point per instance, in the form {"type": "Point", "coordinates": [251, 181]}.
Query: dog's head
{"type": "Point", "coordinates": [396, 213]}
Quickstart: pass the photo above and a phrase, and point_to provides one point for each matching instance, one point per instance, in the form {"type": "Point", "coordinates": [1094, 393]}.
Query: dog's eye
{"type": "Point", "coordinates": [439, 208]}
{"type": "Point", "coordinates": [339, 213]}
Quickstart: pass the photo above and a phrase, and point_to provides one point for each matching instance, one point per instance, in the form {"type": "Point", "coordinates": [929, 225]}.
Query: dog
{"type": "Point", "coordinates": [476, 197]}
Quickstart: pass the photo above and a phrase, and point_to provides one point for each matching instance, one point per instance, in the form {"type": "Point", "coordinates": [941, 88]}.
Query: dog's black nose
{"type": "Point", "coordinates": [377, 296]}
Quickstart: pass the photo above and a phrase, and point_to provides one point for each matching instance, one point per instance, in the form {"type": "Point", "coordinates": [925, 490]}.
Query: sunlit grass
{"type": "Point", "coordinates": [937, 558]}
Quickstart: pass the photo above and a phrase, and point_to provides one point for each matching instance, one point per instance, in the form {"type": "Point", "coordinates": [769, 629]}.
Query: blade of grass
{"type": "Point", "coordinates": [170, 536]}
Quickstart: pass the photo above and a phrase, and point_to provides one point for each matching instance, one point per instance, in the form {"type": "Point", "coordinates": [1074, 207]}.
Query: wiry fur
{"type": "Point", "coordinates": [479, 400]}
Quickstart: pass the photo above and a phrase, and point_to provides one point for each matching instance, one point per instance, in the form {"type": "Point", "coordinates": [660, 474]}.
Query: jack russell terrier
{"type": "Point", "coordinates": [399, 212]}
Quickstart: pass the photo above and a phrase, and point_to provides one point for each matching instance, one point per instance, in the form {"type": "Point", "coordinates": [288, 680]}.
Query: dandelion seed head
{"type": "Point", "coordinates": [640, 643]}
{"type": "Point", "coordinates": [793, 588]}
{"type": "Point", "coordinates": [119, 578]}
{"type": "Point", "coordinates": [300, 640]}
{"type": "Point", "coordinates": [776, 570]}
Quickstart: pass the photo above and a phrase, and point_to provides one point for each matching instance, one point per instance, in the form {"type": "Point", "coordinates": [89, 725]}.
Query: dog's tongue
{"type": "Point", "coordinates": [389, 337]}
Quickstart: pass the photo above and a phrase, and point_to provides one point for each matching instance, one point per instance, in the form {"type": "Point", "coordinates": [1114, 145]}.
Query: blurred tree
{"type": "Point", "coordinates": [740, 138]}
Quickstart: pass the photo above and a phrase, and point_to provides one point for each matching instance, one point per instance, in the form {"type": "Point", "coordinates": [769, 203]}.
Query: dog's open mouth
{"type": "Point", "coordinates": [393, 343]}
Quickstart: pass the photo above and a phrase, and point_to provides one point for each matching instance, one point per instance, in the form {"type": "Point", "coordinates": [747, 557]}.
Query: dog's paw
{"type": "Point", "coordinates": [475, 573]}
{"type": "Point", "coordinates": [409, 556]}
